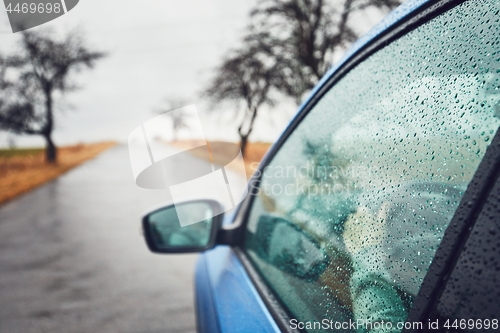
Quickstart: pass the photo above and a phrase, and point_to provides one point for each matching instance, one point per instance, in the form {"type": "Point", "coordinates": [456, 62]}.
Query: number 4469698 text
{"type": "Point", "coordinates": [471, 324]}
{"type": "Point", "coordinates": [34, 8]}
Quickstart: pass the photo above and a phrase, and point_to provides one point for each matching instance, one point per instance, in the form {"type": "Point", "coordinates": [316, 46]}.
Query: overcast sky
{"type": "Point", "coordinates": [157, 48]}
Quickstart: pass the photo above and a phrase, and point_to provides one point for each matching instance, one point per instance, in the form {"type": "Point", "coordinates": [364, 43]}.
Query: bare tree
{"type": "Point", "coordinates": [247, 76]}
{"type": "Point", "coordinates": [42, 67]}
{"type": "Point", "coordinates": [287, 49]}
{"type": "Point", "coordinates": [306, 34]}
{"type": "Point", "coordinates": [179, 119]}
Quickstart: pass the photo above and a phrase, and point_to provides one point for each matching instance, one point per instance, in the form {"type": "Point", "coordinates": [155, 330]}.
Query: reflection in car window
{"type": "Point", "coordinates": [373, 175]}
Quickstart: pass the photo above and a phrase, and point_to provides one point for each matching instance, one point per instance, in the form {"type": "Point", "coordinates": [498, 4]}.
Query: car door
{"type": "Point", "coordinates": [358, 215]}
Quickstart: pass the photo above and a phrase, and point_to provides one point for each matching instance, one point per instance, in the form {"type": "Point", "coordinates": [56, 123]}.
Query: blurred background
{"type": "Point", "coordinates": [72, 90]}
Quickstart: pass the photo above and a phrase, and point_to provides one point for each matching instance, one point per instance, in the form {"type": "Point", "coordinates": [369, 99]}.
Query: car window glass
{"type": "Point", "coordinates": [352, 208]}
{"type": "Point", "coordinates": [469, 301]}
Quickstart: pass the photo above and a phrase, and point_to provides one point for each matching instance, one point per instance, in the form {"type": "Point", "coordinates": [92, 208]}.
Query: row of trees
{"type": "Point", "coordinates": [287, 48]}
{"type": "Point", "coordinates": [31, 78]}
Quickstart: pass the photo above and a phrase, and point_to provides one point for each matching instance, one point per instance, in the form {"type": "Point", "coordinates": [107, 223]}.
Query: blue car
{"type": "Point", "coordinates": [378, 208]}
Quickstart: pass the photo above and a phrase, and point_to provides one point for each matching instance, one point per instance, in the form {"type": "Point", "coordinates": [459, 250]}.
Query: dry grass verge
{"type": "Point", "coordinates": [255, 151]}
{"type": "Point", "coordinates": [22, 170]}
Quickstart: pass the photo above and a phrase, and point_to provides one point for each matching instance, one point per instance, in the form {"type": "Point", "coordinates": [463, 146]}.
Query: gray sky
{"type": "Point", "coordinates": [157, 48]}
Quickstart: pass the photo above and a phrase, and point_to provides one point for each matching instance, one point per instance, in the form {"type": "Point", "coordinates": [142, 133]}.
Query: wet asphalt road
{"type": "Point", "coordinates": [72, 258]}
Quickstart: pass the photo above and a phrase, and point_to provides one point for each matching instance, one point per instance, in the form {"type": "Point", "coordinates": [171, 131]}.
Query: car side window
{"type": "Point", "coordinates": [350, 211]}
{"type": "Point", "coordinates": [469, 301]}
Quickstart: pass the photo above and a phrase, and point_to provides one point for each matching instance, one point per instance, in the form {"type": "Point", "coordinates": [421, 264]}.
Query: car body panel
{"type": "Point", "coordinates": [224, 290]}
{"type": "Point", "coordinates": [206, 316]}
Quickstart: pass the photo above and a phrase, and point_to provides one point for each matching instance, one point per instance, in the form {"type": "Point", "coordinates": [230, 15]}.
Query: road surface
{"type": "Point", "coordinates": [72, 258]}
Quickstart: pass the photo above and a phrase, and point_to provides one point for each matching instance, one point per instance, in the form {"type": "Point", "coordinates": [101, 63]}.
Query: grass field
{"type": "Point", "coordinates": [255, 151]}
{"type": "Point", "coordinates": [20, 152]}
{"type": "Point", "coordinates": [22, 170]}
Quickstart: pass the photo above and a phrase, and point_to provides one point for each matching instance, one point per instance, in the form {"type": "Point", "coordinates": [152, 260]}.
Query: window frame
{"type": "Point", "coordinates": [464, 218]}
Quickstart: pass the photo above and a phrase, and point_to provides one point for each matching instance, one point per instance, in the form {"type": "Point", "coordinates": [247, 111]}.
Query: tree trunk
{"type": "Point", "coordinates": [51, 150]}
{"type": "Point", "coordinates": [244, 136]}
{"type": "Point", "coordinates": [243, 143]}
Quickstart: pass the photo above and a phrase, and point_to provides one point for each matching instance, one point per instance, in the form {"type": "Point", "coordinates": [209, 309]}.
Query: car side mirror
{"type": "Point", "coordinates": [164, 232]}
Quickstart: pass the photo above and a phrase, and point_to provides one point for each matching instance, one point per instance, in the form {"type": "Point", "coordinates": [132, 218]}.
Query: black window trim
{"type": "Point", "coordinates": [460, 225]}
